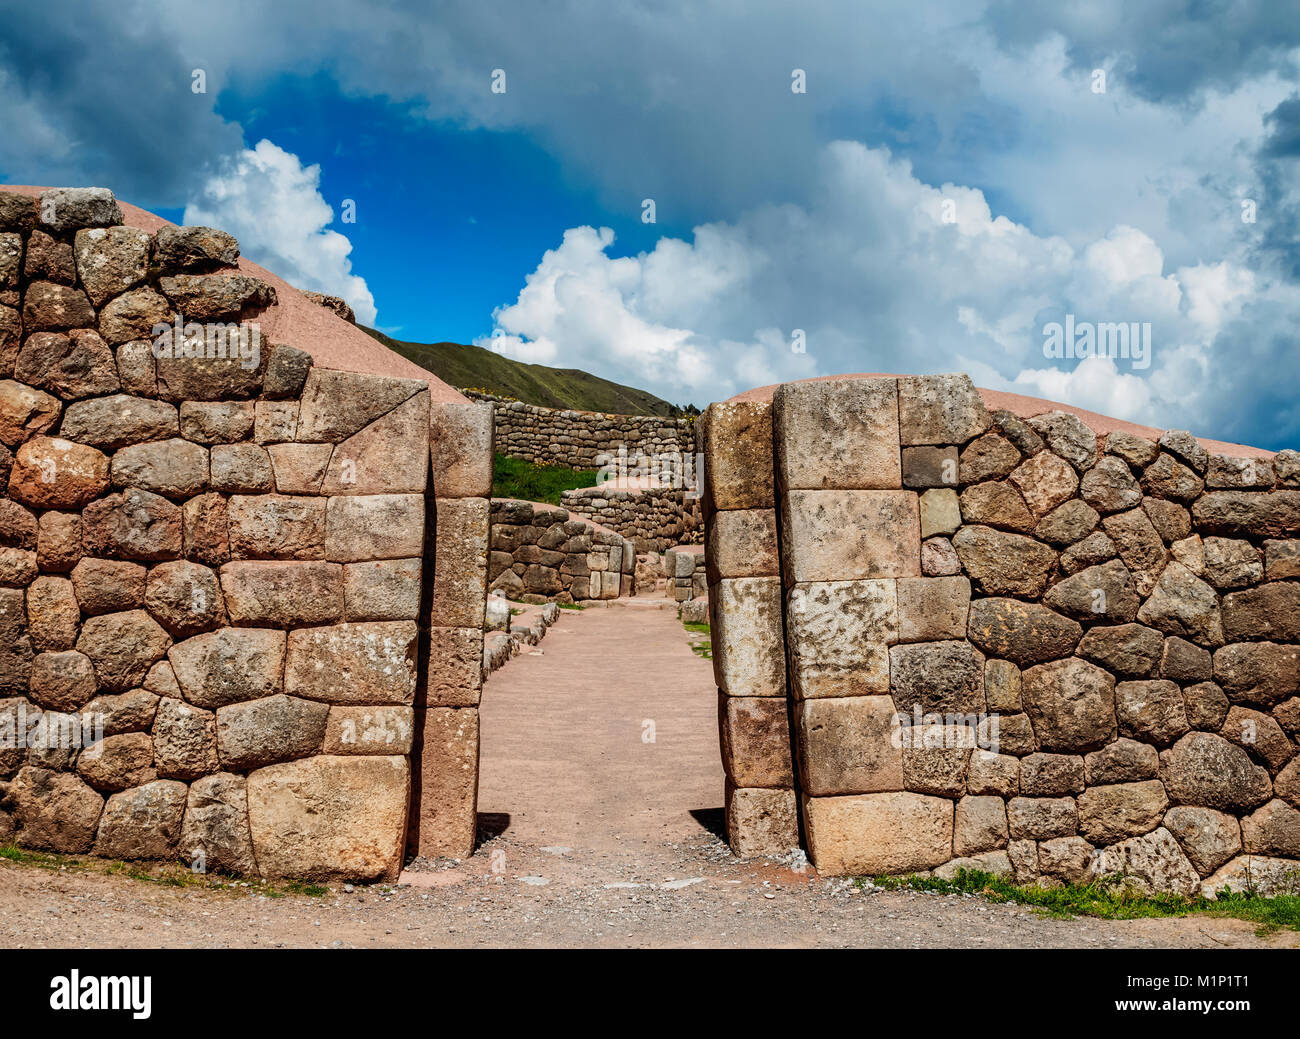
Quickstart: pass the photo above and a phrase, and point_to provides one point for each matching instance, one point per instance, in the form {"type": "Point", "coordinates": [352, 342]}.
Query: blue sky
{"type": "Point", "coordinates": [950, 182]}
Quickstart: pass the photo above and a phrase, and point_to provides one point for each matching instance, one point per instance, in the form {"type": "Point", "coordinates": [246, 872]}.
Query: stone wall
{"type": "Point", "coordinates": [1011, 644]}
{"type": "Point", "coordinates": [213, 569]}
{"type": "Point", "coordinates": [540, 553]}
{"type": "Point", "coordinates": [654, 518]}
{"type": "Point", "coordinates": [578, 439]}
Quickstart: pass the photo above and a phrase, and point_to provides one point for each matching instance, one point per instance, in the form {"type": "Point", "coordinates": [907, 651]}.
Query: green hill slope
{"type": "Point", "coordinates": [474, 367]}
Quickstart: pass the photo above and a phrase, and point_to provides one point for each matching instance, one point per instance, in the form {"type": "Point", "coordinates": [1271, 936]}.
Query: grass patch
{"type": "Point", "coordinates": [701, 647]}
{"type": "Point", "coordinates": [570, 606]}
{"type": "Point", "coordinates": [1109, 898]}
{"type": "Point", "coordinates": [515, 478]}
{"type": "Point", "coordinates": [164, 874]}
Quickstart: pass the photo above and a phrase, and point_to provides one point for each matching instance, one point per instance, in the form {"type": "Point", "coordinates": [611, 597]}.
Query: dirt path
{"type": "Point", "coordinates": [592, 836]}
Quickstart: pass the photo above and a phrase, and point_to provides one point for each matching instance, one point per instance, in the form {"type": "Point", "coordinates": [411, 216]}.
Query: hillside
{"type": "Point", "coordinates": [474, 367]}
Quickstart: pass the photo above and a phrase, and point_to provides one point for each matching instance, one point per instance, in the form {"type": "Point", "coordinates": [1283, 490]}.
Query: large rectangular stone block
{"type": "Point", "coordinates": [444, 805]}
{"type": "Point", "coordinates": [845, 535]}
{"type": "Point", "coordinates": [276, 526]}
{"type": "Point", "coordinates": [847, 745]}
{"type": "Point", "coordinates": [282, 594]}
{"type": "Point", "coordinates": [761, 821]}
{"type": "Point", "coordinates": [742, 543]}
{"type": "Point", "coordinates": [455, 668]}
{"type": "Point", "coordinates": [369, 663]}
{"type": "Point", "coordinates": [460, 449]}
{"type": "Point", "coordinates": [931, 609]}
{"type": "Point", "coordinates": [755, 736]}
{"type": "Point", "coordinates": [374, 526]}
{"type": "Point", "coordinates": [386, 457]}
{"type": "Point", "coordinates": [878, 833]}
{"type": "Point", "coordinates": [369, 730]}
{"type": "Point", "coordinates": [460, 562]}
{"type": "Point", "coordinates": [837, 434]}
{"type": "Point", "coordinates": [382, 590]}
{"type": "Point", "coordinates": [839, 636]}
{"type": "Point", "coordinates": [737, 445]}
{"type": "Point", "coordinates": [748, 636]}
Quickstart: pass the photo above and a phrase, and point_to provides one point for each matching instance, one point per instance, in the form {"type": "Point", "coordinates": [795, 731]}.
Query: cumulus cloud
{"type": "Point", "coordinates": [884, 273]}
{"type": "Point", "coordinates": [272, 203]}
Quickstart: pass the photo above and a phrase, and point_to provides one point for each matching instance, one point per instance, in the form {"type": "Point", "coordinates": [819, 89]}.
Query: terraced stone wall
{"type": "Point", "coordinates": [218, 642]}
{"type": "Point", "coordinates": [653, 519]}
{"type": "Point", "coordinates": [542, 553]}
{"type": "Point", "coordinates": [1003, 643]}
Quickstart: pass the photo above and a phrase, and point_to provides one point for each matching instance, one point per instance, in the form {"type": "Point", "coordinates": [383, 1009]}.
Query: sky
{"type": "Point", "coordinates": [696, 198]}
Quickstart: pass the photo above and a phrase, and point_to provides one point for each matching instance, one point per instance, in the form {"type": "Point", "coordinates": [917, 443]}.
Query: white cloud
{"type": "Point", "coordinates": [267, 199]}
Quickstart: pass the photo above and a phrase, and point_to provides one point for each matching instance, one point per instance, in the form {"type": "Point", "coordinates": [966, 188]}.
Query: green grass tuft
{"type": "Point", "coordinates": [1109, 898]}
{"type": "Point", "coordinates": [700, 647]}
{"type": "Point", "coordinates": [514, 478]}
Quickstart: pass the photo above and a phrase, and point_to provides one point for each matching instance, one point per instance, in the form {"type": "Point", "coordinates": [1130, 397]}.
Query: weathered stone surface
{"type": "Point", "coordinates": [1281, 559]}
{"type": "Point", "coordinates": [17, 211]}
{"type": "Point", "coordinates": [736, 437]}
{"type": "Point", "coordinates": [1256, 874]}
{"type": "Point", "coordinates": [1109, 486]}
{"type": "Point", "coordinates": [1067, 523]}
{"type": "Point", "coordinates": [1231, 563]}
{"type": "Point", "coordinates": [1045, 481]}
{"type": "Point", "coordinates": [15, 644]}
{"type": "Point", "coordinates": [838, 535]}
{"type": "Point", "coordinates": [1186, 448]}
{"type": "Point", "coordinates": [990, 457]}
{"type": "Point", "coordinates": [992, 774]}
{"type": "Point", "coordinates": [78, 364]}
{"type": "Point", "coordinates": [1002, 686]}
{"type": "Point", "coordinates": [335, 405]}
{"type": "Point", "coordinates": [134, 524]}
{"type": "Point", "coordinates": [1208, 838]}
{"type": "Point", "coordinates": [1067, 859]}
{"type": "Point", "coordinates": [1260, 735]}
{"type": "Point", "coordinates": [940, 514]}
{"type": "Point", "coordinates": [1207, 707]}
{"type": "Point", "coordinates": [194, 248]}
{"type": "Point", "coordinates": [929, 466]}
{"type": "Point", "coordinates": [173, 468]}
{"type": "Point", "coordinates": [133, 711]}
{"type": "Point", "coordinates": [931, 609]}
{"type": "Point", "coordinates": [387, 590]}
{"type": "Point", "coordinates": [286, 372]}
{"type": "Point", "coordinates": [282, 594]}
{"type": "Point", "coordinates": [1108, 814]}
{"type": "Point", "coordinates": [755, 739]}
{"type": "Point", "coordinates": [143, 823]}
{"type": "Point", "coordinates": [48, 306]}
{"type": "Point", "coordinates": [1004, 564]}
{"type": "Point", "coordinates": [210, 376]}
{"type": "Point", "coordinates": [184, 740]}
{"type": "Point", "coordinates": [1071, 704]}
{"type": "Point", "coordinates": [1262, 673]}
{"type": "Point", "coordinates": [216, 422]}
{"type": "Point", "coordinates": [980, 825]}
{"type": "Point", "coordinates": [1206, 770]}
{"type": "Point", "coordinates": [1042, 818]}
{"type": "Point", "coordinates": [373, 730]}
{"type": "Point", "coordinates": [374, 526]}
{"type": "Point", "coordinates": [1051, 775]}
{"type": "Point", "coordinates": [947, 677]}
{"type": "Point", "coordinates": [122, 647]}
{"type": "Point", "coordinates": [1104, 592]}
{"type": "Point", "coordinates": [748, 638]}
{"type": "Point", "coordinates": [206, 529]}
{"type": "Point", "coordinates": [939, 558]}
{"type": "Point", "coordinates": [443, 805]}
{"type": "Point", "coordinates": [1271, 611]}
{"type": "Point", "coordinates": [161, 679]}
{"type": "Point", "coordinates": [118, 762]}
{"type": "Point", "coordinates": [17, 567]}
{"type": "Point", "coordinates": [113, 422]}
{"type": "Point", "coordinates": [133, 315]}
{"type": "Point", "coordinates": [241, 469]}
{"type": "Point", "coordinates": [52, 473]}
{"type": "Point", "coordinates": [455, 672]}
{"type": "Point", "coordinates": [18, 526]}
{"type": "Point", "coordinates": [1124, 761]}
{"type": "Point", "coordinates": [185, 598]}
{"type": "Point", "coordinates": [1068, 436]}
{"type": "Point", "coordinates": [878, 833]}
{"type": "Point", "coordinates": [460, 562]}
{"type": "Point", "coordinates": [1128, 650]}
{"type": "Point", "coordinates": [274, 728]}
{"type": "Point", "coordinates": [935, 757]}
{"type": "Point", "coordinates": [55, 810]}
{"type": "Point", "coordinates": [846, 746]}
{"type": "Point", "coordinates": [52, 613]}
{"type": "Point", "coordinates": [1096, 548]}
{"type": "Point", "coordinates": [275, 420]}
{"type": "Point", "coordinates": [389, 455]}
{"type": "Point", "coordinates": [761, 821]}
{"type": "Point", "coordinates": [330, 817]}
{"type": "Point", "coordinates": [299, 468]}
{"type": "Point", "coordinates": [370, 663]}
{"type": "Point", "coordinates": [1190, 551]}
{"type": "Point", "coordinates": [1172, 522]}
{"type": "Point", "coordinates": [1183, 604]}
{"type": "Point", "coordinates": [229, 666]}
{"type": "Point", "coordinates": [1151, 710]}
{"type": "Point", "coordinates": [837, 434]}
{"type": "Point", "coordinates": [62, 681]}
{"type": "Point", "coordinates": [274, 526]}
{"type": "Point", "coordinates": [1139, 546]}
{"type": "Point", "coordinates": [940, 409]}
{"type": "Point", "coordinates": [1287, 715]}
{"type": "Point", "coordinates": [742, 543]}
{"type": "Point", "coordinates": [1024, 633]}
{"type": "Point", "coordinates": [1182, 661]}
{"type": "Point", "coordinates": [111, 260]}
{"type": "Point", "coordinates": [460, 449]}
{"type": "Point", "coordinates": [108, 586]}
{"type": "Point", "coordinates": [1168, 478]}
{"type": "Point", "coordinates": [64, 209]}
{"type": "Point", "coordinates": [996, 504]}
{"type": "Point", "coordinates": [1150, 863]}
{"type": "Point", "coordinates": [215, 831]}
{"type": "Point", "coordinates": [214, 297]}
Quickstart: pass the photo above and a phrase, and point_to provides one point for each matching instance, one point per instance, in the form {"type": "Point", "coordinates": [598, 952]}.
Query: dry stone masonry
{"type": "Point", "coordinates": [653, 518]}
{"type": "Point", "coordinates": [540, 553]}
{"type": "Point", "coordinates": [1002, 643]}
{"type": "Point", "coordinates": [235, 610]}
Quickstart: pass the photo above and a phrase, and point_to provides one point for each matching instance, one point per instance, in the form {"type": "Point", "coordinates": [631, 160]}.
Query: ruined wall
{"type": "Point", "coordinates": [577, 439]}
{"type": "Point", "coordinates": [654, 518]}
{"type": "Point", "coordinates": [216, 564]}
{"type": "Point", "coordinates": [540, 553]}
{"type": "Point", "coordinates": [1010, 646]}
